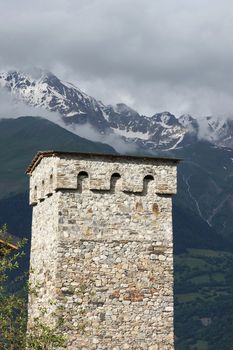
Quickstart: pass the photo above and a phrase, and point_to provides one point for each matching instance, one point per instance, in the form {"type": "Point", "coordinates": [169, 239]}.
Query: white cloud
{"type": "Point", "coordinates": [10, 107]}
{"type": "Point", "coordinates": [154, 55]}
{"type": "Point", "coordinates": [87, 131]}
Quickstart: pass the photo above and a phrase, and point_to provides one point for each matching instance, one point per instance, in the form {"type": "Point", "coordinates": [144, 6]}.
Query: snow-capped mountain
{"type": "Point", "coordinates": [219, 131]}
{"type": "Point", "coordinates": [47, 91]}
{"type": "Point", "coordinates": [161, 131]}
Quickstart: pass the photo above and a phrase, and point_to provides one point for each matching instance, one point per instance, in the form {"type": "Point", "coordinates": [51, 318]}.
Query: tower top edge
{"type": "Point", "coordinates": [97, 156]}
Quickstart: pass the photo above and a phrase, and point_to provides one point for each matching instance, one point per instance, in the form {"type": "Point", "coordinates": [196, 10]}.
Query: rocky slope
{"type": "Point", "coordinates": [205, 184]}
{"type": "Point", "coordinates": [162, 131]}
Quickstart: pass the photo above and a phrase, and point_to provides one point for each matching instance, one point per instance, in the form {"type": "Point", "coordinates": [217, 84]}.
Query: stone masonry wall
{"type": "Point", "coordinates": [102, 248]}
{"type": "Point", "coordinates": [43, 260]}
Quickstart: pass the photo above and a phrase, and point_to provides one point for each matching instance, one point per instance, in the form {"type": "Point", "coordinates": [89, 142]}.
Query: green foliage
{"type": "Point", "coordinates": [44, 337]}
{"type": "Point", "coordinates": [203, 291]}
{"type": "Point", "coordinates": [13, 306]}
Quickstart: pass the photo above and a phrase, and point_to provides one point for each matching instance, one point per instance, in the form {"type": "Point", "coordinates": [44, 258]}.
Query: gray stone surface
{"type": "Point", "coordinates": [102, 250]}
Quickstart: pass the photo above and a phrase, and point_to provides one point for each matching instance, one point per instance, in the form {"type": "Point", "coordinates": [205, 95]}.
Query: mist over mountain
{"type": "Point", "coordinates": [203, 221]}
{"type": "Point", "coordinates": [127, 131]}
{"type": "Point", "coordinates": [118, 124]}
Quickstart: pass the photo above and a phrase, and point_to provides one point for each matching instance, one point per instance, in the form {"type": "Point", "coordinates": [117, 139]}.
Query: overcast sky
{"type": "Point", "coordinates": [174, 55]}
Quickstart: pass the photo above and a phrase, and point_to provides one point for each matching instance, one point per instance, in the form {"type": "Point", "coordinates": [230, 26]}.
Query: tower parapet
{"type": "Point", "coordinates": [64, 170]}
{"type": "Point", "coordinates": [102, 248]}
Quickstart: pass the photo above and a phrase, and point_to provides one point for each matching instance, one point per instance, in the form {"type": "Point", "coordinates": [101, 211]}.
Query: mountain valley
{"type": "Point", "coordinates": [203, 220]}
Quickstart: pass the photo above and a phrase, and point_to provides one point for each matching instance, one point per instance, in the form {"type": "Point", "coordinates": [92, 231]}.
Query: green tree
{"type": "Point", "coordinates": [13, 305]}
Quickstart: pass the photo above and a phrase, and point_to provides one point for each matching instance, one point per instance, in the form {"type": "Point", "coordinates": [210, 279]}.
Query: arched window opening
{"type": "Point", "coordinates": [42, 189]}
{"type": "Point", "coordinates": [50, 189]}
{"type": "Point", "coordinates": [82, 175]}
{"type": "Point", "coordinates": [114, 178]}
{"type": "Point", "coordinates": [146, 180]}
{"type": "Point", "coordinates": [155, 209]}
{"type": "Point", "coordinates": [35, 193]}
{"type": "Point", "coordinates": [149, 177]}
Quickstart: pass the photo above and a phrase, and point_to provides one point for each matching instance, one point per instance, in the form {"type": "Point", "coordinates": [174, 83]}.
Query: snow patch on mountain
{"type": "Point", "coordinates": [131, 134]}
{"type": "Point", "coordinates": [161, 131]}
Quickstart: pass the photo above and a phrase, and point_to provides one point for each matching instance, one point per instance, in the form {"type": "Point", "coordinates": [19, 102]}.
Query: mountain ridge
{"type": "Point", "coordinates": [161, 131]}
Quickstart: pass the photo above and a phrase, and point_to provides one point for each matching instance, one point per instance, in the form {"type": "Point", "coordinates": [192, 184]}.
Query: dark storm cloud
{"type": "Point", "coordinates": [154, 55]}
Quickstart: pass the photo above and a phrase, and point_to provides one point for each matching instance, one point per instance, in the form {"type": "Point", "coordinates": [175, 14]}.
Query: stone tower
{"type": "Point", "coordinates": [102, 248]}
